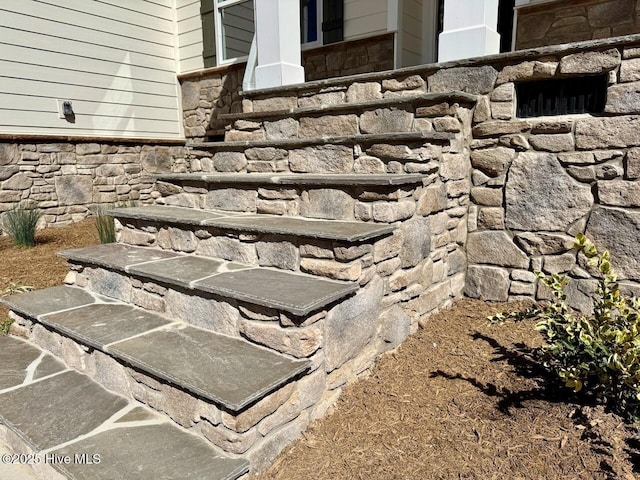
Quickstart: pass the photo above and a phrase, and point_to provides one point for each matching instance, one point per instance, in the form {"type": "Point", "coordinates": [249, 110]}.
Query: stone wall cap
{"type": "Point", "coordinates": [346, 140]}
{"type": "Point", "coordinates": [19, 137]}
{"type": "Point", "coordinates": [428, 69]}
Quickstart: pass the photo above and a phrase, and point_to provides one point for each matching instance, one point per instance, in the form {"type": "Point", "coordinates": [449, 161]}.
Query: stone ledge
{"type": "Point", "coordinates": [298, 294]}
{"type": "Point", "coordinates": [356, 179]}
{"type": "Point", "coordinates": [274, 224]}
{"type": "Point", "coordinates": [425, 98]}
{"type": "Point", "coordinates": [364, 139]}
{"type": "Point", "coordinates": [227, 371]}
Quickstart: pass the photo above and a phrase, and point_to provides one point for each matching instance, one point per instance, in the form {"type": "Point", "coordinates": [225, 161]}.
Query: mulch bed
{"type": "Point", "coordinates": [460, 399]}
{"type": "Point", "coordinates": [40, 267]}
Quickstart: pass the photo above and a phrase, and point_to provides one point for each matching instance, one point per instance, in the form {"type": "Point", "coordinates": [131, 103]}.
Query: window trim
{"type": "Point", "coordinates": [218, 5]}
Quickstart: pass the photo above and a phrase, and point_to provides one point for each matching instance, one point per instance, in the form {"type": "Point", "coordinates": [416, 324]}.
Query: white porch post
{"type": "Point", "coordinates": [278, 41]}
{"type": "Point", "coordinates": [470, 29]}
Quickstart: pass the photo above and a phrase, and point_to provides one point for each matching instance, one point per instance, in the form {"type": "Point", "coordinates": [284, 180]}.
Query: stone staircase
{"type": "Point", "coordinates": [232, 312]}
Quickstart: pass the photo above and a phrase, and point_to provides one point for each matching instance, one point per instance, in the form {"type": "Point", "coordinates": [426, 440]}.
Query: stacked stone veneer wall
{"type": "Point", "coordinates": [65, 179]}
{"type": "Point", "coordinates": [576, 20]}
{"type": "Point", "coordinates": [538, 182]}
{"type": "Point", "coordinates": [535, 182]}
{"type": "Point", "coordinates": [213, 92]}
{"type": "Point", "coordinates": [373, 54]}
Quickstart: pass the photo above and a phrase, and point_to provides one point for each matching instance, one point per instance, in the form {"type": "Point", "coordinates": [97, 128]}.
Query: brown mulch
{"type": "Point", "coordinates": [460, 399]}
{"type": "Point", "coordinates": [40, 267]}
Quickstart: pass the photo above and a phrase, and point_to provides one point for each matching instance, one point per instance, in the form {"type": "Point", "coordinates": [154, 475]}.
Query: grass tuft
{"type": "Point", "coordinates": [20, 224]}
{"type": "Point", "coordinates": [106, 225]}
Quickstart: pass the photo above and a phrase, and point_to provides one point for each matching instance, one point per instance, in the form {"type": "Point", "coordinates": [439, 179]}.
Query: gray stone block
{"type": "Point", "coordinates": [618, 231]}
{"type": "Point", "coordinates": [495, 248]}
{"type": "Point", "coordinates": [487, 283]}
{"type": "Point", "coordinates": [476, 80]}
{"type": "Point", "coordinates": [350, 326]}
{"type": "Point", "coordinates": [540, 195]}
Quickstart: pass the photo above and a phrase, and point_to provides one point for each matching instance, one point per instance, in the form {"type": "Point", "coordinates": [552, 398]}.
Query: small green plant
{"type": "Point", "coordinates": [106, 225]}
{"type": "Point", "coordinates": [20, 224]}
{"type": "Point", "coordinates": [599, 354]}
{"type": "Point", "coordinates": [5, 326]}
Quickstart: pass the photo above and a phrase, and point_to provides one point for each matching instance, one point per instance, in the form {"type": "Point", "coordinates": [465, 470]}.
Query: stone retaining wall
{"type": "Point", "coordinates": [373, 54]}
{"type": "Point", "coordinates": [535, 182]}
{"type": "Point", "coordinates": [216, 91]}
{"type": "Point", "coordinates": [65, 179]}
{"type": "Point", "coordinates": [538, 182]}
{"type": "Point", "coordinates": [576, 20]}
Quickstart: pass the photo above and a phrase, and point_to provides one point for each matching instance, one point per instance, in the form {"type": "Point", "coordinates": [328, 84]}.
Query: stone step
{"type": "Point", "coordinates": [295, 293]}
{"type": "Point", "coordinates": [229, 372]}
{"type": "Point", "coordinates": [379, 198]}
{"type": "Point", "coordinates": [264, 224]}
{"type": "Point", "coordinates": [357, 107]}
{"type": "Point", "coordinates": [347, 140]}
{"type": "Point", "coordinates": [54, 412]}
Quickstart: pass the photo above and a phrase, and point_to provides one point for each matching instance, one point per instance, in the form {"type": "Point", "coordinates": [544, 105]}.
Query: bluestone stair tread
{"type": "Point", "coordinates": [16, 356]}
{"type": "Point", "coordinates": [101, 324]}
{"type": "Point", "coordinates": [367, 138]}
{"type": "Point", "coordinates": [296, 293]}
{"type": "Point", "coordinates": [117, 256]}
{"type": "Point", "coordinates": [60, 409]}
{"type": "Point", "coordinates": [295, 179]}
{"type": "Point", "coordinates": [273, 224]}
{"type": "Point", "coordinates": [68, 414]}
{"type": "Point", "coordinates": [159, 452]}
{"type": "Point", "coordinates": [225, 370]}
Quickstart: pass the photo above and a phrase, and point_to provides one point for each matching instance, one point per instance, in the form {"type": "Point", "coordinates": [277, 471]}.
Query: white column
{"type": "Point", "coordinates": [278, 39]}
{"type": "Point", "coordinates": [470, 29]}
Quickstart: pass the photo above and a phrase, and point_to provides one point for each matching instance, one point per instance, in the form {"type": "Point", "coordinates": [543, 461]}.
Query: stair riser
{"type": "Point", "coordinates": [390, 157]}
{"type": "Point", "coordinates": [337, 260]}
{"type": "Point", "coordinates": [255, 430]}
{"type": "Point", "coordinates": [350, 203]}
{"type": "Point", "coordinates": [392, 119]}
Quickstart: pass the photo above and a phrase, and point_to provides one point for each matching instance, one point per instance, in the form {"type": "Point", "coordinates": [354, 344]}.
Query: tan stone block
{"type": "Point", "coordinates": [299, 342]}
{"type": "Point", "coordinates": [328, 268]}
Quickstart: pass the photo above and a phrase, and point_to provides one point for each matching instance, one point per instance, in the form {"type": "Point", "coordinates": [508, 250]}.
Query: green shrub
{"type": "Point", "coordinates": [599, 354]}
{"type": "Point", "coordinates": [20, 224]}
{"type": "Point", "coordinates": [106, 225]}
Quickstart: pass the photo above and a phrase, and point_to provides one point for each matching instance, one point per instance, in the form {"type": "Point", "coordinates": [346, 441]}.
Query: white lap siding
{"type": "Point", "coordinates": [113, 59]}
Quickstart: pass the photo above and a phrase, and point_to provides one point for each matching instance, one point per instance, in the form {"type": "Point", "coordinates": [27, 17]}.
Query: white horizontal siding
{"type": "Point", "coordinates": [363, 18]}
{"type": "Point", "coordinates": [189, 35]}
{"type": "Point", "coordinates": [411, 49]}
{"type": "Point", "coordinates": [114, 59]}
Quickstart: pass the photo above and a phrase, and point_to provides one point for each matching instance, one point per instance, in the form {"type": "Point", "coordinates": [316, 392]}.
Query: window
{"type": "Point", "coordinates": [310, 22]}
{"type": "Point", "coordinates": [235, 24]}
{"type": "Point", "coordinates": [228, 27]}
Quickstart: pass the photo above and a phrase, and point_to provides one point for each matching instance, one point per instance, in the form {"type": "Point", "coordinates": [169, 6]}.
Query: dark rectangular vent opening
{"type": "Point", "coordinates": [561, 97]}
